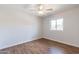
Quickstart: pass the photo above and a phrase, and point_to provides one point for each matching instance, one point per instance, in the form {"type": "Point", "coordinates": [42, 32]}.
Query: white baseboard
{"type": "Point", "coordinates": [62, 42]}
{"type": "Point", "coordinates": [20, 42]}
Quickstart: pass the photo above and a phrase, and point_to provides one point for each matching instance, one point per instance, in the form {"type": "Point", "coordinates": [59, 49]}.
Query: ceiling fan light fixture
{"type": "Point", "coordinates": [41, 12]}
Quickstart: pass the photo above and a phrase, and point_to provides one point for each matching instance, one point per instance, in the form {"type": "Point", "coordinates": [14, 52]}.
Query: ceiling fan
{"type": "Point", "coordinates": [41, 8]}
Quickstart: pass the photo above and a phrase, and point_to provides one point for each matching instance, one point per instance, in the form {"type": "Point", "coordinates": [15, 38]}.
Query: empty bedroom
{"type": "Point", "coordinates": [39, 29]}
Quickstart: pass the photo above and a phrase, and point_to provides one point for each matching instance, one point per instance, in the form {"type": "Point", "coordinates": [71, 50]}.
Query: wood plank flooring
{"type": "Point", "coordinates": [42, 46]}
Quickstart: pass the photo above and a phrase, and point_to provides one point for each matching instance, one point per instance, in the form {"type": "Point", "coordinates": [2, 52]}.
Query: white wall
{"type": "Point", "coordinates": [17, 27]}
{"type": "Point", "coordinates": [70, 34]}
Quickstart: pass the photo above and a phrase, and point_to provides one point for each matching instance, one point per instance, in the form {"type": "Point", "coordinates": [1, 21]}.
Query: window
{"type": "Point", "coordinates": [53, 25]}
{"type": "Point", "coordinates": [57, 24]}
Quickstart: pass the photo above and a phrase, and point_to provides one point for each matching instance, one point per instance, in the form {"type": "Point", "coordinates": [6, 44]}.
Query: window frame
{"type": "Point", "coordinates": [56, 26]}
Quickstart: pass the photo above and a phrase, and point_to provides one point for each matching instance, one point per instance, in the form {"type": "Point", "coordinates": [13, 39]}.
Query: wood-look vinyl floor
{"type": "Point", "coordinates": [42, 46]}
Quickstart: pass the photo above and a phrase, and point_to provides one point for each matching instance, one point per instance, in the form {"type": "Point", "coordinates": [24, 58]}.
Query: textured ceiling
{"type": "Point", "coordinates": [32, 8]}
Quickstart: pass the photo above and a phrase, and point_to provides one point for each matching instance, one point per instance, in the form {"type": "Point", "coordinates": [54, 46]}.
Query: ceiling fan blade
{"type": "Point", "coordinates": [49, 9]}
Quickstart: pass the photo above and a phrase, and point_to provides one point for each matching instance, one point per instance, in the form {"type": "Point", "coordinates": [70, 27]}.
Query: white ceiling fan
{"type": "Point", "coordinates": [42, 9]}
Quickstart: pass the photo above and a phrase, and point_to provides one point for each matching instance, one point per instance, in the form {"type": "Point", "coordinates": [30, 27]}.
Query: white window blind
{"type": "Point", "coordinates": [57, 24]}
